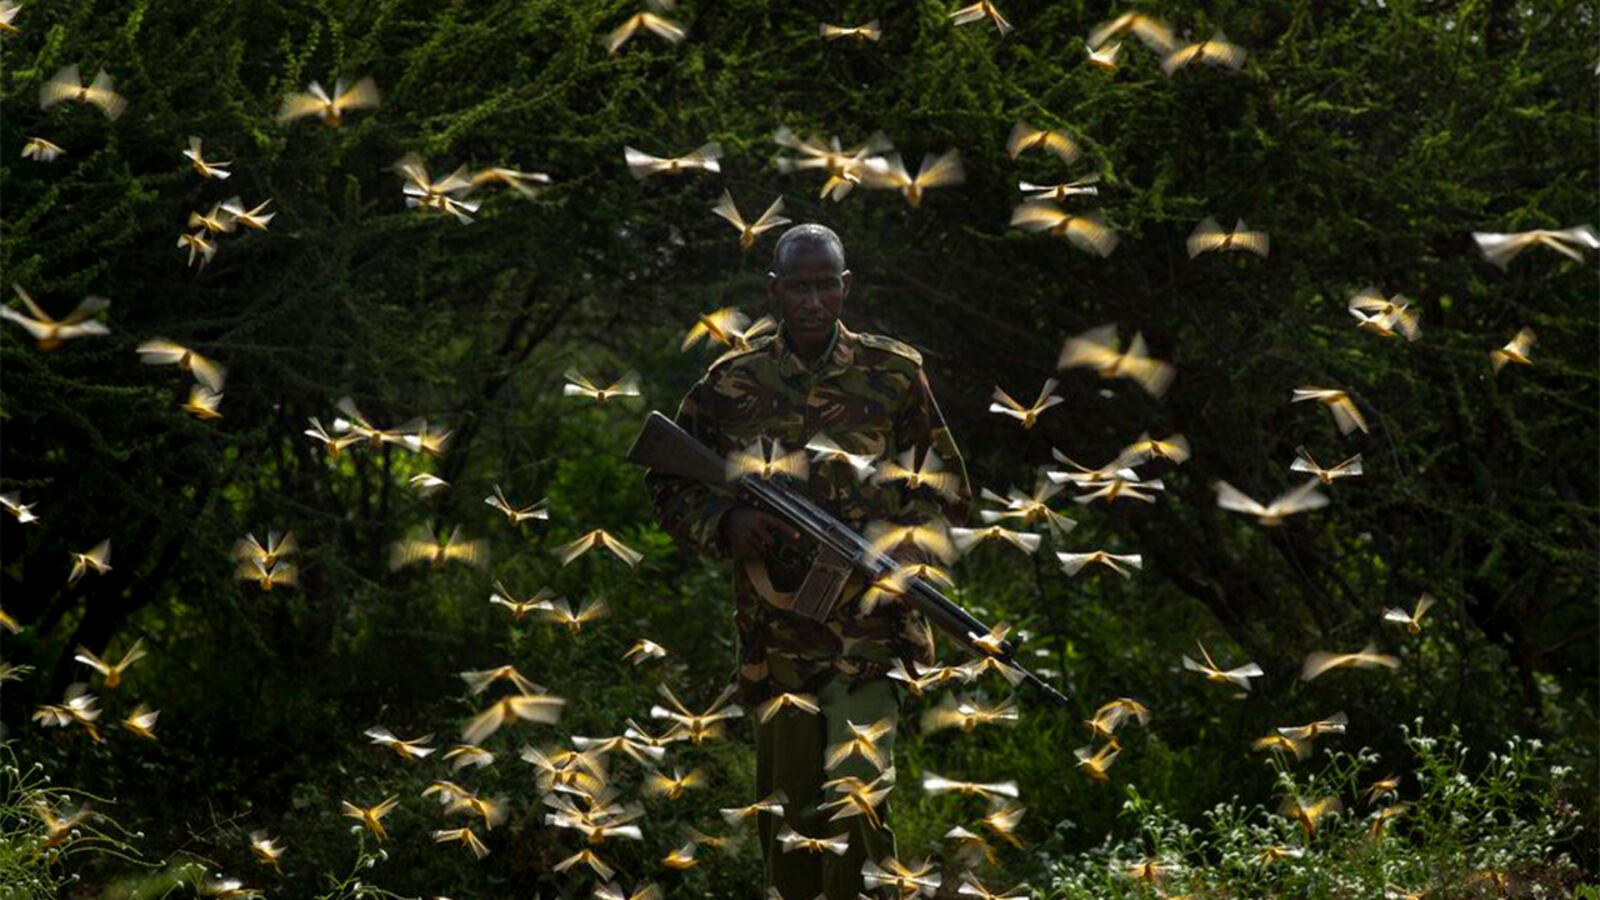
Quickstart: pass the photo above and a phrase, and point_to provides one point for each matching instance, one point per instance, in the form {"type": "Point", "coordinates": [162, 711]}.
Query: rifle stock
{"type": "Point", "coordinates": [664, 447]}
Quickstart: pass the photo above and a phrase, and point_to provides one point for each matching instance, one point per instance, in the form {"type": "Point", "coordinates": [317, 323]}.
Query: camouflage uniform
{"type": "Point", "coordinates": [869, 394]}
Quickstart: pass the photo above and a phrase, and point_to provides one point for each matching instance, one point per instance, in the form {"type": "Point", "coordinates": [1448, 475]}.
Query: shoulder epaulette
{"type": "Point", "coordinates": [756, 346]}
{"type": "Point", "coordinates": [879, 342]}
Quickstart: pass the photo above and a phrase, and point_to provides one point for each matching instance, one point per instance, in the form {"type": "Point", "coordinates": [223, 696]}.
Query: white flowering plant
{"type": "Point", "coordinates": [1452, 822]}
{"type": "Point", "coordinates": [45, 827]}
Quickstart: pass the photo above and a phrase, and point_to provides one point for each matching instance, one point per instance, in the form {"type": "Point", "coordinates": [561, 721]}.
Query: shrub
{"type": "Point", "coordinates": [1460, 824]}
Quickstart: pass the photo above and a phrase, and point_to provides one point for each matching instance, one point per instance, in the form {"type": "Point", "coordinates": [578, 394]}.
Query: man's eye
{"type": "Point", "coordinates": [823, 286]}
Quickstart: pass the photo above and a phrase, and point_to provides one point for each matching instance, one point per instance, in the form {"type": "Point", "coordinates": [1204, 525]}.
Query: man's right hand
{"type": "Point", "coordinates": [753, 534]}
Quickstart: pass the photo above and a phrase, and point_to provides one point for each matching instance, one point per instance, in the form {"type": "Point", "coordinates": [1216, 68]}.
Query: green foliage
{"type": "Point", "coordinates": [1368, 138]}
{"type": "Point", "coordinates": [48, 831]}
{"type": "Point", "coordinates": [1469, 824]}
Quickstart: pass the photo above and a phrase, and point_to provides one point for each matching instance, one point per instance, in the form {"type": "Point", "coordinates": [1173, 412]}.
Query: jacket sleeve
{"type": "Point", "coordinates": [690, 510]}
{"type": "Point", "coordinates": [921, 424]}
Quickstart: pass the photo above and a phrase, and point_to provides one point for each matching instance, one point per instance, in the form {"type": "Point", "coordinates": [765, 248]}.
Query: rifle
{"type": "Point", "coordinates": [833, 550]}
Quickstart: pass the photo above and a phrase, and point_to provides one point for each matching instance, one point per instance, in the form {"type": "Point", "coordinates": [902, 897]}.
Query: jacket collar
{"type": "Point", "coordinates": [841, 353]}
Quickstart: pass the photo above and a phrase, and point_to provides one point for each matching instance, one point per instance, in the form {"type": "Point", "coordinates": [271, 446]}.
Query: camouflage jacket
{"type": "Point", "coordinates": [869, 394]}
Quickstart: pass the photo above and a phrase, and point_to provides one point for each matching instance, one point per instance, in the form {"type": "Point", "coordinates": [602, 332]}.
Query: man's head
{"type": "Point", "coordinates": [809, 283]}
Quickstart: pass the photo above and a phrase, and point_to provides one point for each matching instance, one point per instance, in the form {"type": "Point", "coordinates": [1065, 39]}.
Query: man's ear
{"type": "Point", "coordinates": [772, 287]}
{"type": "Point", "coordinates": [844, 277]}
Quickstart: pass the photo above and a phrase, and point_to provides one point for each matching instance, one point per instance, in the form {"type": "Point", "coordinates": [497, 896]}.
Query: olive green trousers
{"type": "Point", "coordinates": [789, 757]}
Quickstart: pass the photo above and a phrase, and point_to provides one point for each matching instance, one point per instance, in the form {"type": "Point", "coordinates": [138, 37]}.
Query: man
{"type": "Point", "coordinates": [869, 395]}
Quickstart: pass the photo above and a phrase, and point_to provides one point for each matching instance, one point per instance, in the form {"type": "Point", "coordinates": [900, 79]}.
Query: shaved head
{"type": "Point", "coordinates": [809, 236]}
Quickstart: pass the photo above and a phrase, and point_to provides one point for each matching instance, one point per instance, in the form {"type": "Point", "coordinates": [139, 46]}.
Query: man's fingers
{"type": "Point", "coordinates": [765, 531]}
{"type": "Point", "coordinates": [759, 535]}
{"type": "Point", "coordinates": [779, 526]}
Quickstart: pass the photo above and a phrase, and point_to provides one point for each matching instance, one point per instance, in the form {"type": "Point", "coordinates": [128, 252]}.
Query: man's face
{"type": "Point", "coordinates": [809, 288]}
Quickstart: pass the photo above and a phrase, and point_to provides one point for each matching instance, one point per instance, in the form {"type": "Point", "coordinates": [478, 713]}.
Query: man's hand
{"type": "Point", "coordinates": [753, 534]}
